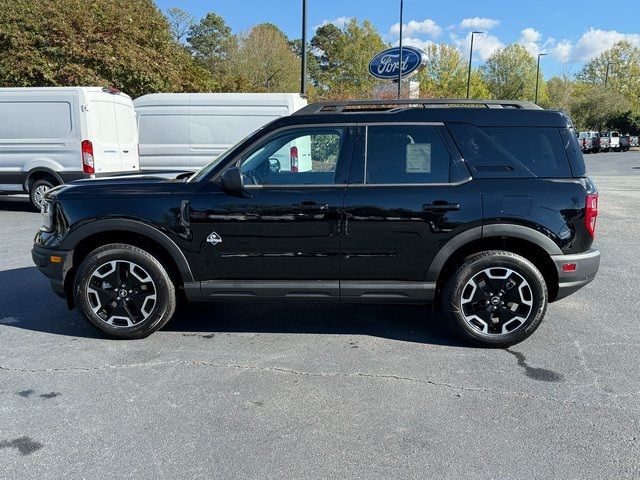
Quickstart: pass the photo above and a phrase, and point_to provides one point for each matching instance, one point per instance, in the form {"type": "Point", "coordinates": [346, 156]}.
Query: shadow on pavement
{"type": "Point", "coordinates": [16, 203]}
{"type": "Point", "coordinates": [27, 302]}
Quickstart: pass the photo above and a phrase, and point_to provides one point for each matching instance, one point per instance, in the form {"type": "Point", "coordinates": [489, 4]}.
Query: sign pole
{"type": "Point", "coordinates": [400, 45]}
{"type": "Point", "coordinates": [303, 73]}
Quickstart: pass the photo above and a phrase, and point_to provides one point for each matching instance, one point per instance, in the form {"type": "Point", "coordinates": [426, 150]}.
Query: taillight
{"type": "Point", "coordinates": [293, 156]}
{"type": "Point", "coordinates": [591, 213]}
{"type": "Point", "coordinates": [88, 165]}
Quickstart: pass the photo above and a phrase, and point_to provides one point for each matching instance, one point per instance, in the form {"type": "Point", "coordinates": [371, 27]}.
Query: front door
{"type": "Point", "coordinates": [282, 238]}
{"type": "Point", "coordinates": [409, 193]}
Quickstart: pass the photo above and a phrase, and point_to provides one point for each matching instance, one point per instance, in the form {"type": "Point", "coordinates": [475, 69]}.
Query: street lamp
{"type": "Point", "coordinates": [303, 53]}
{"type": "Point", "coordinates": [606, 75]}
{"type": "Point", "coordinates": [538, 76]}
{"type": "Point", "coordinates": [400, 59]}
{"type": "Point", "coordinates": [470, 57]}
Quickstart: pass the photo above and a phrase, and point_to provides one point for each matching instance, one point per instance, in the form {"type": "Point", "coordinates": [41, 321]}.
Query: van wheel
{"type": "Point", "coordinates": [124, 291]}
{"type": "Point", "coordinates": [37, 191]}
{"type": "Point", "coordinates": [496, 298]}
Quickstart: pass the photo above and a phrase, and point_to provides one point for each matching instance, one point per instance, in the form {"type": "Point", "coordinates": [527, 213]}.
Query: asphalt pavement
{"type": "Point", "coordinates": [326, 391]}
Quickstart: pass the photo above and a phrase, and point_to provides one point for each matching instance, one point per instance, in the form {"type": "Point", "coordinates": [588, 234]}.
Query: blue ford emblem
{"type": "Point", "coordinates": [386, 64]}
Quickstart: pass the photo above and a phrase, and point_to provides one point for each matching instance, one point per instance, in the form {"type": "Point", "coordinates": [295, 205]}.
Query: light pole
{"type": "Point", "coordinates": [303, 73]}
{"type": "Point", "coordinates": [606, 75]}
{"type": "Point", "coordinates": [538, 76]}
{"type": "Point", "coordinates": [470, 57]}
{"type": "Point", "coordinates": [400, 60]}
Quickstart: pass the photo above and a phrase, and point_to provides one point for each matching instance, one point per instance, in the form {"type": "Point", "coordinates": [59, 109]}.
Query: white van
{"type": "Point", "coordinates": [49, 136]}
{"type": "Point", "coordinates": [186, 131]}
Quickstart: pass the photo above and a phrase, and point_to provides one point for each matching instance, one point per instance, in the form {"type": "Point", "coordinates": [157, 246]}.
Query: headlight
{"type": "Point", "coordinates": [48, 211]}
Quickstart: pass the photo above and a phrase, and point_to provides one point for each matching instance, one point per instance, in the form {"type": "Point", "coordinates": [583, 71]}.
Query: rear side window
{"type": "Point", "coordinates": [574, 152]}
{"type": "Point", "coordinates": [406, 154]}
{"type": "Point", "coordinates": [512, 151]}
{"type": "Point", "coordinates": [34, 120]}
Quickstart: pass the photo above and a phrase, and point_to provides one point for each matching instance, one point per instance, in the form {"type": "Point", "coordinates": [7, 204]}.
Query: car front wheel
{"type": "Point", "coordinates": [124, 291]}
{"type": "Point", "coordinates": [496, 298]}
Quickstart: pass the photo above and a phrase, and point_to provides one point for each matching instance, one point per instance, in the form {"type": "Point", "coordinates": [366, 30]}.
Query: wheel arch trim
{"type": "Point", "coordinates": [488, 231]}
{"type": "Point", "coordinates": [133, 226]}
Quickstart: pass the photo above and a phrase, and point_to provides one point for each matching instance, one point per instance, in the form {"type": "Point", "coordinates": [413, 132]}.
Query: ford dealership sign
{"type": "Point", "coordinates": [386, 64]}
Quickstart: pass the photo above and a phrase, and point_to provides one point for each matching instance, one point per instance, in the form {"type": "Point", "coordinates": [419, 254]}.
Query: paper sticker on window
{"type": "Point", "coordinates": [419, 158]}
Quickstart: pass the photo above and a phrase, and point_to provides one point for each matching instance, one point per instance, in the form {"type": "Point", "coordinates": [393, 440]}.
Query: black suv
{"type": "Point", "coordinates": [485, 211]}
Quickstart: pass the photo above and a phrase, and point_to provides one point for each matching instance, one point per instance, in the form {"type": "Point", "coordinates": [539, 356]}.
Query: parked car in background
{"type": "Point", "coordinates": [614, 140]}
{"type": "Point", "coordinates": [625, 142]}
{"type": "Point", "coordinates": [634, 141]}
{"type": "Point", "coordinates": [186, 131]}
{"type": "Point", "coordinates": [589, 142]}
{"type": "Point", "coordinates": [49, 136]}
{"type": "Point", "coordinates": [605, 142]}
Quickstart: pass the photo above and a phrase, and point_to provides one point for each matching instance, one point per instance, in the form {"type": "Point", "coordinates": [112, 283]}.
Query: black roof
{"type": "Point", "coordinates": [482, 113]}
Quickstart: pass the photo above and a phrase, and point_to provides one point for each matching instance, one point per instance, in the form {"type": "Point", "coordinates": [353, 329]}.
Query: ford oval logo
{"type": "Point", "coordinates": [386, 64]}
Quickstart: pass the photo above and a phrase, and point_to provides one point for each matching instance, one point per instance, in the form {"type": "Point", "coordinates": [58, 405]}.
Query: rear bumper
{"type": "Point", "coordinates": [54, 271]}
{"type": "Point", "coordinates": [586, 268]}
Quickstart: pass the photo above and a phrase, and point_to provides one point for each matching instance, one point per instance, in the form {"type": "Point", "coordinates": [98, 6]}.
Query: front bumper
{"type": "Point", "coordinates": [55, 271]}
{"type": "Point", "coordinates": [586, 268]}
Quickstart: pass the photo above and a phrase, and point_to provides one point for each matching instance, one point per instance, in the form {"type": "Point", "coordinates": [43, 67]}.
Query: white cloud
{"type": "Point", "coordinates": [483, 45]}
{"type": "Point", "coordinates": [339, 22]}
{"type": "Point", "coordinates": [530, 39]}
{"type": "Point", "coordinates": [479, 22]}
{"type": "Point", "coordinates": [591, 44]}
{"type": "Point", "coordinates": [415, 42]}
{"type": "Point", "coordinates": [414, 27]}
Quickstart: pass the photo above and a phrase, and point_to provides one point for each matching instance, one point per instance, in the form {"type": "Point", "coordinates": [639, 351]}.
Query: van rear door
{"type": "Point", "coordinates": [103, 132]}
{"type": "Point", "coordinates": [127, 132]}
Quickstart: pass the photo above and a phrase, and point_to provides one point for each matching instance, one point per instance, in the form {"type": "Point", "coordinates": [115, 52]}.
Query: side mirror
{"type": "Point", "coordinates": [231, 181]}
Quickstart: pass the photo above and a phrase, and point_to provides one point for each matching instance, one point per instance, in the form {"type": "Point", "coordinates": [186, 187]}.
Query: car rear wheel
{"type": "Point", "coordinates": [496, 298]}
{"type": "Point", "coordinates": [36, 192]}
{"type": "Point", "coordinates": [124, 291]}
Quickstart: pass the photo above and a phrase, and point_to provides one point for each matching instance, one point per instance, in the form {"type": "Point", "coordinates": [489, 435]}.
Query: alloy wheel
{"type": "Point", "coordinates": [496, 301]}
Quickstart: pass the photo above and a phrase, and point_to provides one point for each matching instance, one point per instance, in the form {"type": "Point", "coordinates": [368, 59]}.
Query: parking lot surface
{"type": "Point", "coordinates": [326, 391]}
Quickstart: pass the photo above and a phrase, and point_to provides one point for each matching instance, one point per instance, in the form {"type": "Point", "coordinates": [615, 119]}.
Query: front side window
{"type": "Point", "coordinates": [406, 154]}
{"type": "Point", "coordinates": [300, 157]}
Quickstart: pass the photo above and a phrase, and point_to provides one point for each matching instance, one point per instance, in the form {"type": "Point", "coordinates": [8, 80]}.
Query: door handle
{"type": "Point", "coordinates": [440, 206]}
{"type": "Point", "coordinates": [125, 151]}
{"type": "Point", "coordinates": [310, 205]}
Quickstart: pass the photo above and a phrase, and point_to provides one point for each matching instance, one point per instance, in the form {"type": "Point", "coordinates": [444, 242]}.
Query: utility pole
{"type": "Point", "coordinates": [470, 57]}
{"type": "Point", "coordinates": [538, 76]}
{"type": "Point", "coordinates": [303, 54]}
{"type": "Point", "coordinates": [400, 45]}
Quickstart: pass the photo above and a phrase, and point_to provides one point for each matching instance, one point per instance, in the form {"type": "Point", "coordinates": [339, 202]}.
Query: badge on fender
{"type": "Point", "coordinates": [214, 238]}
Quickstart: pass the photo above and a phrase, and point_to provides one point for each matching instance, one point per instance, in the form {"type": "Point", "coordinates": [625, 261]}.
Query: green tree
{"type": "Point", "coordinates": [593, 107]}
{"type": "Point", "coordinates": [343, 56]}
{"type": "Point", "coordinates": [180, 23]}
{"type": "Point", "coordinates": [93, 42]}
{"type": "Point", "coordinates": [263, 62]}
{"type": "Point", "coordinates": [210, 38]}
{"type": "Point", "coordinates": [623, 60]}
{"type": "Point", "coordinates": [510, 73]}
{"type": "Point", "coordinates": [445, 74]}
{"type": "Point", "coordinates": [560, 91]}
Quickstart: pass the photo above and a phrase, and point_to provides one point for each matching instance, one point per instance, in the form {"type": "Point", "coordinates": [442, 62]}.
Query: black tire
{"type": "Point", "coordinates": [473, 267]}
{"type": "Point", "coordinates": [606, 150]}
{"type": "Point", "coordinates": [158, 284]}
{"type": "Point", "coordinates": [36, 190]}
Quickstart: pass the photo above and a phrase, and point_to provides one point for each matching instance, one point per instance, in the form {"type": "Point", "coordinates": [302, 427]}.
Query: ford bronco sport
{"type": "Point", "coordinates": [485, 211]}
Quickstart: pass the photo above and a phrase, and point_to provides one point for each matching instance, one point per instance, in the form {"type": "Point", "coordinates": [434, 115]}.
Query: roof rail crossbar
{"type": "Point", "coordinates": [387, 105]}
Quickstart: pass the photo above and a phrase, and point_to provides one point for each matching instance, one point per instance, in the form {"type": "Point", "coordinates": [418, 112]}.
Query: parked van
{"type": "Point", "coordinates": [49, 136]}
{"type": "Point", "coordinates": [185, 131]}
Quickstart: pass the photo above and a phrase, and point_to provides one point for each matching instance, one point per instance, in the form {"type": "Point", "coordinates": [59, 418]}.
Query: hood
{"type": "Point", "coordinates": [164, 183]}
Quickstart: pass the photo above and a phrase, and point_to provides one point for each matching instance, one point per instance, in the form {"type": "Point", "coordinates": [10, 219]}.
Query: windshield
{"type": "Point", "coordinates": [204, 171]}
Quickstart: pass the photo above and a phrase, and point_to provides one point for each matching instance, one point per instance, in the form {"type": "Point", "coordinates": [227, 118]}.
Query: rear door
{"type": "Point", "coordinates": [409, 193]}
{"type": "Point", "coordinates": [103, 132]}
{"type": "Point", "coordinates": [127, 132]}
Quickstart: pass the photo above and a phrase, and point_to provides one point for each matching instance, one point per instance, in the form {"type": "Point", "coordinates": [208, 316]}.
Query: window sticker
{"type": "Point", "coordinates": [418, 158]}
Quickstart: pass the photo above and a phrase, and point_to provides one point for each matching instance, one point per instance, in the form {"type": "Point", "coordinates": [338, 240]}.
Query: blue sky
{"type": "Point", "coordinates": [570, 32]}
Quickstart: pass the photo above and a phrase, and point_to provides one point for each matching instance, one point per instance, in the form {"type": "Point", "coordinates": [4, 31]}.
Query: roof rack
{"type": "Point", "coordinates": [394, 105]}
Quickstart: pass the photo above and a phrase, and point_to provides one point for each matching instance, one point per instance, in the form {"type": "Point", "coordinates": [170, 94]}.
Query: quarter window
{"type": "Point", "coordinates": [406, 154]}
{"type": "Point", "coordinates": [303, 157]}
